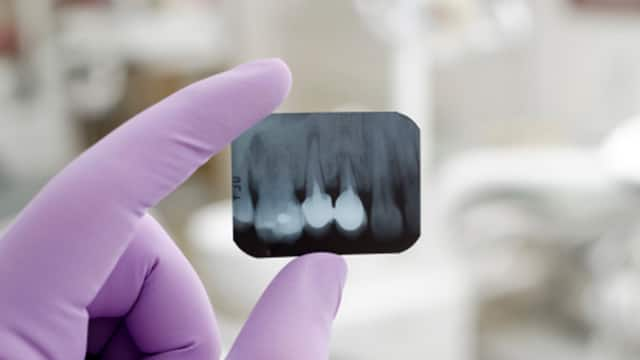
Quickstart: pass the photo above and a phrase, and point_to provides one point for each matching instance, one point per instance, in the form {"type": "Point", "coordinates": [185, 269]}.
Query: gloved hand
{"type": "Point", "coordinates": [85, 271]}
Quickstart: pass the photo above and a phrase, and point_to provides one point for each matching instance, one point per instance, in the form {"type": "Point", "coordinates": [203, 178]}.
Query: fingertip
{"type": "Point", "coordinates": [321, 264]}
{"type": "Point", "coordinates": [293, 318]}
{"type": "Point", "coordinates": [276, 65]}
{"type": "Point", "coordinates": [275, 70]}
{"type": "Point", "coordinates": [224, 105]}
{"type": "Point", "coordinates": [321, 273]}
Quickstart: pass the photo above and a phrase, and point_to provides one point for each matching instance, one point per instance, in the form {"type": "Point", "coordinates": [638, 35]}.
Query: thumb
{"type": "Point", "coordinates": [293, 318]}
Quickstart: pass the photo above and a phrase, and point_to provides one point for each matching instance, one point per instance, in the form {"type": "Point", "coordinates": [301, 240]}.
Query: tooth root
{"type": "Point", "coordinates": [386, 218]}
{"type": "Point", "coordinates": [350, 215]}
{"type": "Point", "coordinates": [327, 138]}
{"type": "Point", "coordinates": [317, 207]}
{"type": "Point", "coordinates": [353, 134]}
{"type": "Point", "coordinates": [257, 161]}
{"type": "Point", "coordinates": [408, 159]}
{"type": "Point", "coordinates": [410, 188]}
{"type": "Point", "coordinates": [278, 217]}
{"type": "Point", "coordinates": [412, 207]}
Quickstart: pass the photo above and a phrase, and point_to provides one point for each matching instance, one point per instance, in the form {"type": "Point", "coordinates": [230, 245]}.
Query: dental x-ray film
{"type": "Point", "coordinates": [347, 183]}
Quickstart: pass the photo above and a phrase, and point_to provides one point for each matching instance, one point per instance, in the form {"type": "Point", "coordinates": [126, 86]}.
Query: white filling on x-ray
{"type": "Point", "coordinates": [317, 207]}
{"type": "Point", "coordinates": [349, 211]}
{"type": "Point", "coordinates": [350, 214]}
{"type": "Point", "coordinates": [317, 210]}
{"type": "Point", "coordinates": [278, 220]}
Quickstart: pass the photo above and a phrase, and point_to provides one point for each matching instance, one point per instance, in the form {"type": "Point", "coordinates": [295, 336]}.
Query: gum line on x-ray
{"type": "Point", "coordinates": [276, 162]}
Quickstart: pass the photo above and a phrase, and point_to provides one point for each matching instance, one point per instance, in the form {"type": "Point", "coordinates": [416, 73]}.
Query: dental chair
{"type": "Point", "coordinates": [550, 241]}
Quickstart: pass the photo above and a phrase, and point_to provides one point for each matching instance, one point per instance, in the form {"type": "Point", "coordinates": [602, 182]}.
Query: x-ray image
{"type": "Point", "coordinates": [347, 183]}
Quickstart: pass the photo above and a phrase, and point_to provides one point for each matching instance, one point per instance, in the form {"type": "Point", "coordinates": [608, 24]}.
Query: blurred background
{"type": "Point", "coordinates": [531, 155]}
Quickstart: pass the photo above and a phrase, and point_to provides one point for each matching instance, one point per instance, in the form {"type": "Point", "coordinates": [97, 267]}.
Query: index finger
{"type": "Point", "coordinates": [63, 246]}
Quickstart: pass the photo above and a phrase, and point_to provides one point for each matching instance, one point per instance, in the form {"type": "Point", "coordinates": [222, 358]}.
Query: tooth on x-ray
{"type": "Point", "coordinates": [340, 182]}
{"type": "Point", "coordinates": [279, 222]}
{"type": "Point", "coordinates": [410, 184]}
{"type": "Point", "coordinates": [386, 218]}
{"type": "Point", "coordinates": [317, 206]}
{"type": "Point", "coordinates": [349, 212]}
{"type": "Point", "coordinates": [278, 216]}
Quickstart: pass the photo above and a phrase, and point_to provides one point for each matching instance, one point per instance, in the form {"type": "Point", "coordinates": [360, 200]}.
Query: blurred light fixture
{"type": "Point", "coordinates": [456, 27]}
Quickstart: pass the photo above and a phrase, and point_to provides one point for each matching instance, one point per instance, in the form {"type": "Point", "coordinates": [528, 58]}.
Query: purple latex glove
{"type": "Point", "coordinates": [84, 270]}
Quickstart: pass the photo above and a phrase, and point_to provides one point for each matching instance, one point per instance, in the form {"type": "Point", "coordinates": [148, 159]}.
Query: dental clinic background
{"type": "Point", "coordinates": [530, 245]}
